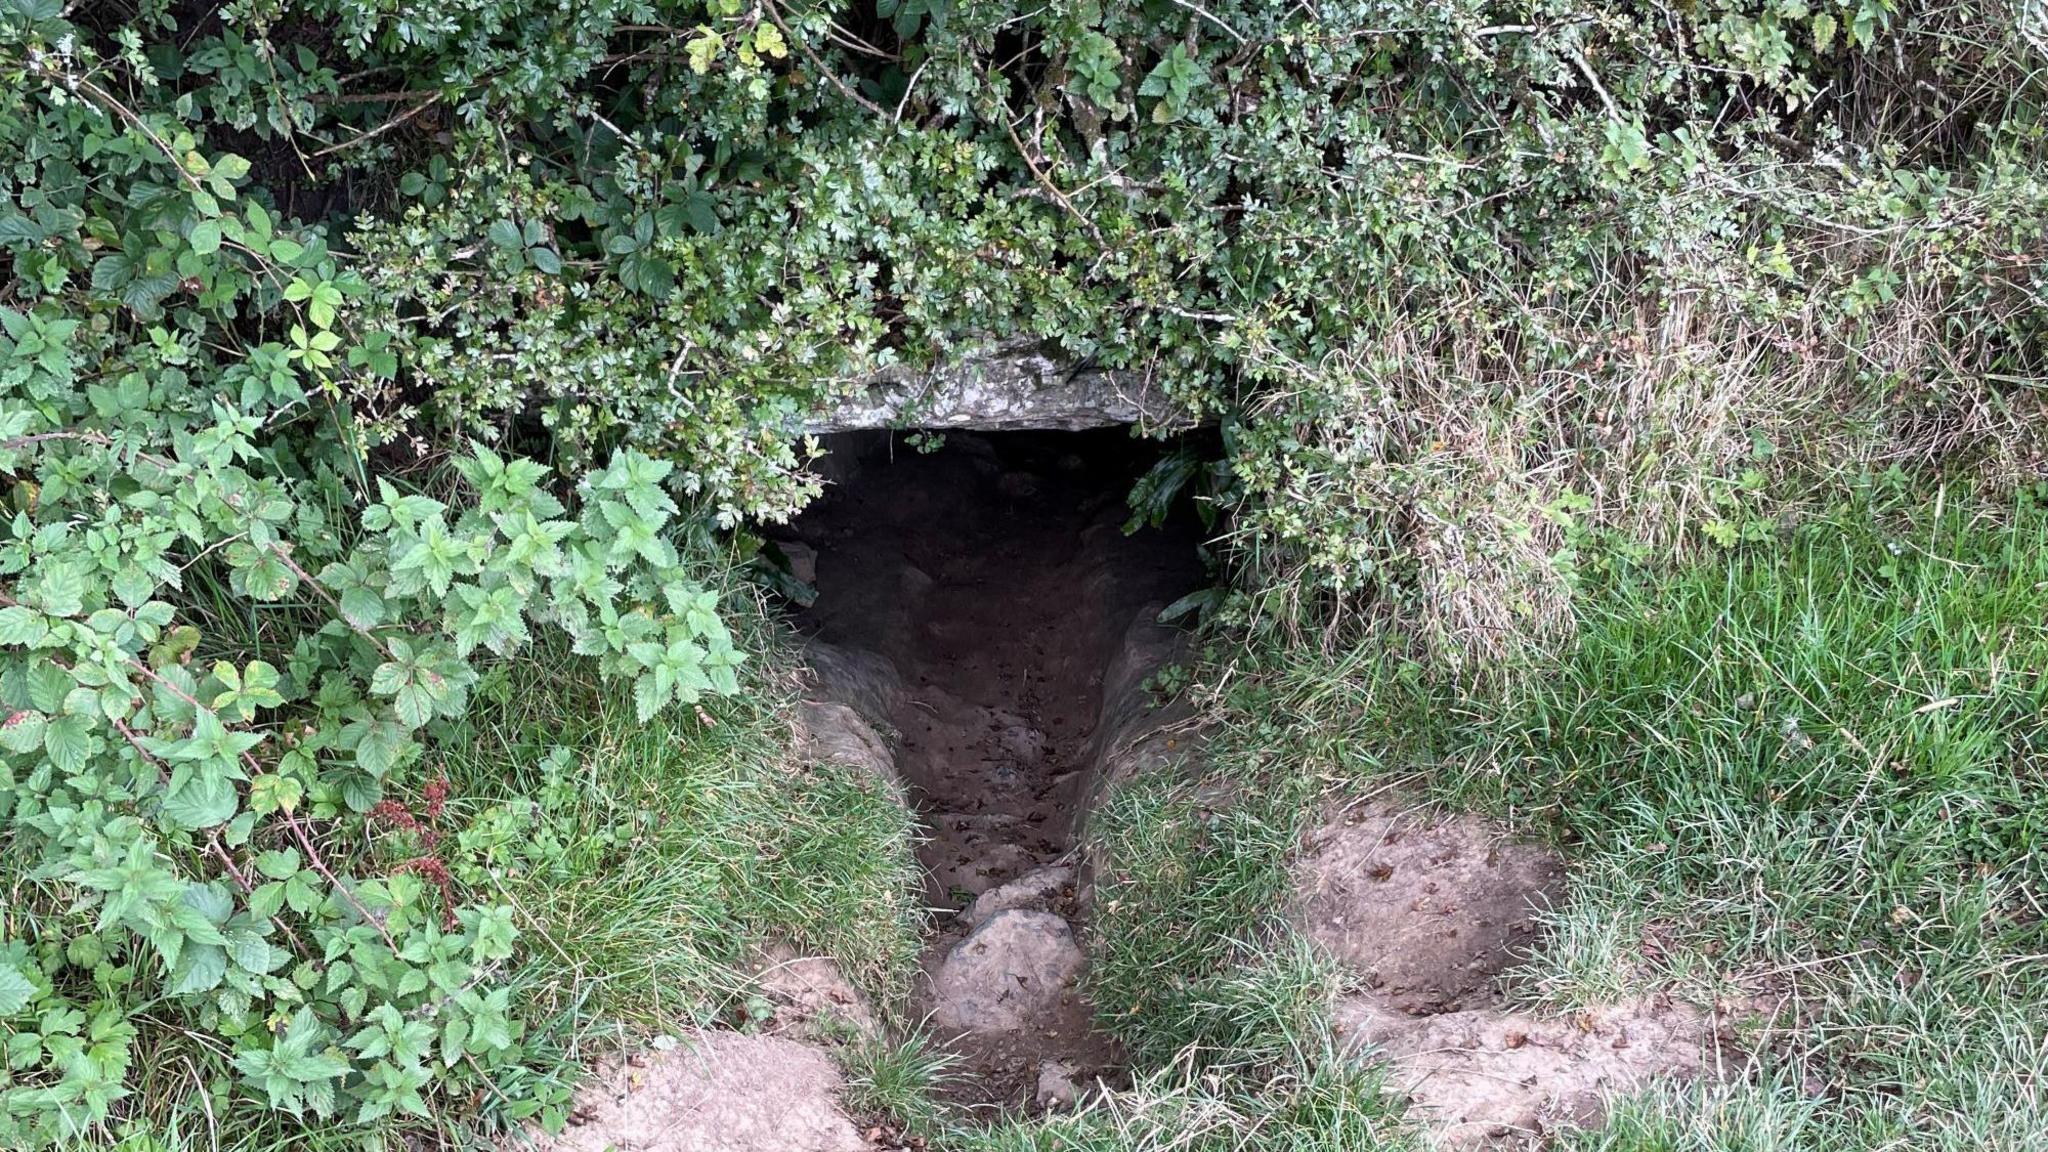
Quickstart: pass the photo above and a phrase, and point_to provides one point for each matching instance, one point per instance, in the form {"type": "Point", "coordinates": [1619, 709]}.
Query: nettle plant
{"type": "Point", "coordinates": [228, 648]}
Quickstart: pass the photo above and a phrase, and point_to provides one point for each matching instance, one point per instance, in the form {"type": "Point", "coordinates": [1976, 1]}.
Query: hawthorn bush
{"type": "Point", "coordinates": [353, 348]}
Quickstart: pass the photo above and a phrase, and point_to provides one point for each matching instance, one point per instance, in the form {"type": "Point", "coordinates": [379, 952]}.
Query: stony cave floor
{"type": "Point", "coordinates": [995, 574]}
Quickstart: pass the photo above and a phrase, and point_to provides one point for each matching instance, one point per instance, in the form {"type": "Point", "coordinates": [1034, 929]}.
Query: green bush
{"type": "Point", "coordinates": [231, 650]}
{"type": "Point", "coordinates": [350, 348]}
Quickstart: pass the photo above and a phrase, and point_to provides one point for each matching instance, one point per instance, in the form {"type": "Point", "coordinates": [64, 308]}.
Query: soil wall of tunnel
{"type": "Point", "coordinates": [984, 604]}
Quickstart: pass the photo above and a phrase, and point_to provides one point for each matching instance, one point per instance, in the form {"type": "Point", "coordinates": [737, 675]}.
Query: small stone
{"type": "Point", "coordinates": [803, 561]}
{"type": "Point", "coordinates": [1056, 1087]}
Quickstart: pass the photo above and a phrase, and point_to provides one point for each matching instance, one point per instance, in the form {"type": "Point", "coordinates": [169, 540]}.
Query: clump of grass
{"type": "Point", "coordinates": [1326, 1105]}
{"type": "Point", "coordinates": [1187, 921]}
{"type": "Point", "coordinates": [897, 1079]}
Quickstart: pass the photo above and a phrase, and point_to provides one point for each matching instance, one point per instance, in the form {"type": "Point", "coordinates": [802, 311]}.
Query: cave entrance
{"type": "Point", "coordinates": [993, 571]}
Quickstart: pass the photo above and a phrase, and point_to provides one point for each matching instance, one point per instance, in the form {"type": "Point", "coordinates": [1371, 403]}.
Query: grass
{"type": "Point", "coordinates": [648, 859]}
{"type": "Point", "coordinates": [1809, 770]}
{"type": "Point", "coordinates": [1327, 1105]}
{"type": "Point", "coordinates": [649, 863]}
{"type": "Point", "coordinates": [897, 1079]}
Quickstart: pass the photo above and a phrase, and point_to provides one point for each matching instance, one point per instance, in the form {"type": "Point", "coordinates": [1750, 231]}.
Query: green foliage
{"type": "Point", "coordinates": [351, 349]}
{"type": "Point", "coordinates": [230, 651]}
{"type": "Point", "coordinates": [653, 860]}
{"type": "Point", "coordinates": [1439, 275]}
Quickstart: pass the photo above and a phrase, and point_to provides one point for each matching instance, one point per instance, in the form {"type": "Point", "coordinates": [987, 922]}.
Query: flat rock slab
{"type": "Point", "coordinates": [1427, 908]}
{"type": "Point", "coordinates": [719, 1092]}
{"type": "Point", "coordinates": [1007, 974]}
{"type": "Point", "coordinates": [1002, 385]}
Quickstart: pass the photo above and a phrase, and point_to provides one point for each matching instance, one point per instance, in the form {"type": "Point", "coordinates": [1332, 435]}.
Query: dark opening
{"type": "Point", "coordinates": [995, 573]}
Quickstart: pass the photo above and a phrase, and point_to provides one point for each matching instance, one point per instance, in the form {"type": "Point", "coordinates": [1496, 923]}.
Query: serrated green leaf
{"type": "Point", "coordinates": [23, 626]}
{"type": "Point", "coordinates": [15, 989]}
{"type": "Point", "coordinates": [205, 801]}
{"type": "Point", "coordinates": [22, 732]}
{"type": "Point", "coordinates": [362, 607]}
{"type": "Point", "coordinates": [200, 968]}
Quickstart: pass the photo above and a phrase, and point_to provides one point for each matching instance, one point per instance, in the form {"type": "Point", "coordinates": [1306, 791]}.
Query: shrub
{"type": "Point", "coordinates": [352, 346]}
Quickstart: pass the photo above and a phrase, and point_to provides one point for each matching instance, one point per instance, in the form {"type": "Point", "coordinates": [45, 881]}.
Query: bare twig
{"type": "Point", "coordinates": [320, 865]}
{"type": "Point", "coordinates": [1046, 182]}
{"type": "Point", "coordinates": [242, 881]}
{"type": "Point", "coordinates": [333, 601]}
{"type": "Point", "coordinates": [1212, 18]}
{"type": "Point", "coordinates": [391, 97]}
{"type": "Point", "coordinates": [908, 89]}
{"type": "Point", "coordinates": [97, 439]}
{"type": "Point", "coordinates": [381, 129]}
{"type": "Point", "coordinates": [1592, 78]}
{"type": "Point", "coordinates": [804, 47]}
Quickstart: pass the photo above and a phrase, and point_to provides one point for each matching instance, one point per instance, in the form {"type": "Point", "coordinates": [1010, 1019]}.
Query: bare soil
{"type": "Point", "coordinates": [1428, 908]}
{"type": "Point", "coordinates": [1428, 911]}
{"type": "Point", "coordinates": [995, 575]}
{"type": "Point", "coordinates": [715, 1092]}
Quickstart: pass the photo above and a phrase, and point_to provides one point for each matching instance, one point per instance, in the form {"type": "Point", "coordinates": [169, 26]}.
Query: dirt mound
{"type": "Point", "coordinates": [1484, 1076]}
{"type": "Point", "coordinates": [810, 997]}
{"type": "Point", "coordinates": [1428, 908]}
{"type": "Point", "coordinates": [1428, 911]}
{"type": "Point", "coordinates": [717, 1092]}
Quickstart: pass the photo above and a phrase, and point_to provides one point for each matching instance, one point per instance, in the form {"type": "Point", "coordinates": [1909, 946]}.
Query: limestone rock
{"type": "Point", "coordinates": [1037, 889]}
{"type": "Point", "coordinates": [803, 561]}
{"type": "Point", "coordinates": [1056, 1087]}
{"type": "Point", "coordinates": [836, 734]}
{"type": "Point", "coordinates": [1004, 385]}
{"type": "Point", "coordinates": [1006, 973]}
{"type": "Point", "coordinates": [862, 680]}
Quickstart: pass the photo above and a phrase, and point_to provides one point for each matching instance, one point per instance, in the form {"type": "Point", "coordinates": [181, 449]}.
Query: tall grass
{"type": "Point", "coordinates": [1808, 770]}
{"type": "Point", "coordinates": [650, 862]}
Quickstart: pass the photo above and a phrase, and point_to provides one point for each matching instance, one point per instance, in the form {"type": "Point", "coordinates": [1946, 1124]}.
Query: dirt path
{"type": "Point", "coordinates": [995, 575]}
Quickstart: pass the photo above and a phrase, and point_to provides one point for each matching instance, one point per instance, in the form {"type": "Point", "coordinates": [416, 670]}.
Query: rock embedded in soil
{"type": "Point", "coordinates": [718, 1092]}
{"type": "Point", "coordinates": [812, 997]}
{"type": "Point", "coordinates": [1039, 889]}
{"type": "Point", "coordinates": [1007, 974]}
{"type": "Point", "coordinates": [1056, 1087]}
{"type": "Point", "coordinates": [836, 734]}
{"type": "Point", "coordinates": [865, 681]}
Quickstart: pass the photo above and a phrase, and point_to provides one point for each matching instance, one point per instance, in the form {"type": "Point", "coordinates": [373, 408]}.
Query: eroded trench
{"type": "Point", "coordinates": [995, 577]}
